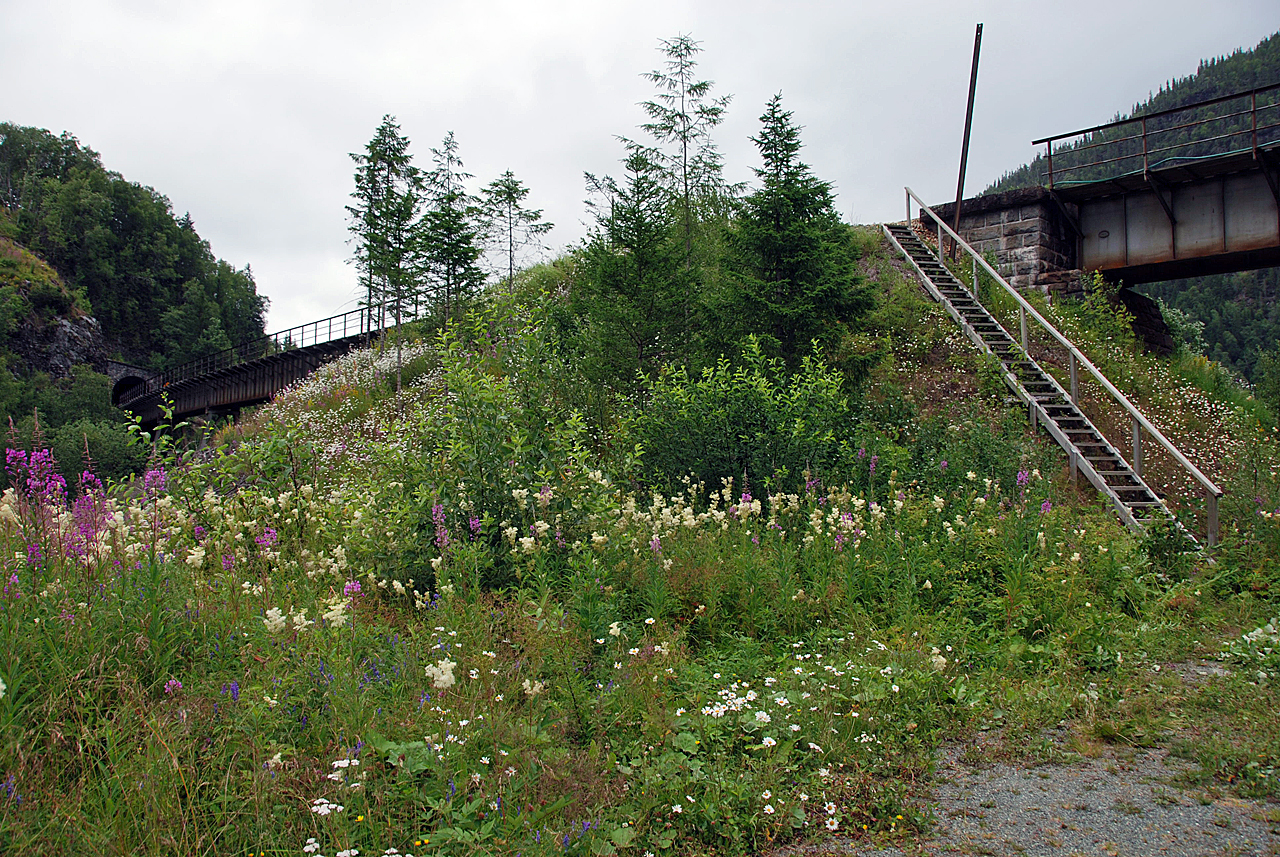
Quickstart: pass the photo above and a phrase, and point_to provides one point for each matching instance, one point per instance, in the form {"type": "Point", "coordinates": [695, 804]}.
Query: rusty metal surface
{"type": "Point", "coordinates": [1228, 215]}
{"type": "Point", "coordinates": [1240, 122]}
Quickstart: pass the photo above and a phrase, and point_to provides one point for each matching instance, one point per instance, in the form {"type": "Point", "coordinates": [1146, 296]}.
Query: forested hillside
{"type": "Point", "coordinates": [151, 281]}
{"type": "Point", "coordinates": [95, 267]}
{"type": "Point", "coordinates": [1239, 314]}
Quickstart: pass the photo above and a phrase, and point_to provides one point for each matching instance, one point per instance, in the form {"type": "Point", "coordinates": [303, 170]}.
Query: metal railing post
{"type": "Point", "coordinates": [1022, 320]}
{"type": "Point", "coordinates": [1253, 116]}
{"type": "Point", "coordinates": [1075, 380]}
{"type": "Point", "coordinates": [1144, 146]}
{"type": "Point", "coordinates": [1137, 448]}
{"type": "Point", "coordinates": [1212, 525]}
{"type": "Point", "coordinates": [908, 195]}
{"type": "Point", "coordinates": [975, 279]}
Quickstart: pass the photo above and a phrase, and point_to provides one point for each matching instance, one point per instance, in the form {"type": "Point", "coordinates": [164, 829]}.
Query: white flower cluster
{"type": "Point", "coordinates": [323, 806]}
{"type": "Point", "coordinates": [1260, 649]}
{"type": "Point", "coordinates": [343, 772]}
{"type": "Point", "coordinates": [441, 673]}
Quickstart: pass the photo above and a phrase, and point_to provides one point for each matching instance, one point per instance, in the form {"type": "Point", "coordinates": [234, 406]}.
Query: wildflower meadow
{"type": "Point", "coordinates": [466, 618]}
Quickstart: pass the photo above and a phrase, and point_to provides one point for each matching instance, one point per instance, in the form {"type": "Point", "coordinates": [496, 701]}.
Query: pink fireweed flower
{"type": "Point", "coordinates": [154, 480]}
{"type": "Point", "coordinates": [172, 686]}
{"type": "Point", "coordinates": [442, 532]}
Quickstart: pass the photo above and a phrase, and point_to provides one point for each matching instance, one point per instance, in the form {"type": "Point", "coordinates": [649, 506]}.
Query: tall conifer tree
{"type": "Point", "coordinates": [451, 231]}
{"type": "Point", "coordinates": [511, 226]}
{"type": "Point", "coordinates": [791, 256]}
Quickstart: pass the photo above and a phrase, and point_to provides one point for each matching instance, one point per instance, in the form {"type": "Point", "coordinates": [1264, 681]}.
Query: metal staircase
{"type": "Point", "coordinates": [1088, 451]}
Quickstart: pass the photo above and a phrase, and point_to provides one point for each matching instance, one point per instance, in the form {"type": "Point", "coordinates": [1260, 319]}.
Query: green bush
{"type": "Point", "coordinates": [752, 422]}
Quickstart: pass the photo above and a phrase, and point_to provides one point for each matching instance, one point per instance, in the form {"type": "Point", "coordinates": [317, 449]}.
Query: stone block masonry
{"type": "Point", "coordinates": [1027, 234]}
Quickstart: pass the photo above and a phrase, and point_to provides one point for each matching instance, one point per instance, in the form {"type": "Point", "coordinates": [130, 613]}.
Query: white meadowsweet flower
{"type": "Point", "coordinates": [274, 620]}
{"type": "Point", "coordinates": [441, 673]}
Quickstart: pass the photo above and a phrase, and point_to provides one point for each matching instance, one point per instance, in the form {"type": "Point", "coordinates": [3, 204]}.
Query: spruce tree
{"type": "Point", "coordinates": [451, 231]}
{"type": "Point", "coordinates": [384, 219]}
{"type": "Point", "coordinates": [682, 116]}
{"type": "Point", "coordinates": [790, 257]}
{"type": "Point", "coordinates": [511, 226]}
{"type": "Point", "coordinates": [384, 224]}
{"type": "Point", "coordinates": [634, 291]}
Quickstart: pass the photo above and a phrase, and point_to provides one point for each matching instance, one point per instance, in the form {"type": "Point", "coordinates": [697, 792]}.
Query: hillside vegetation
{"type": "Point", "coordinates": [461, 619]}
{"type": "Point", "coordinates": [701, 539]}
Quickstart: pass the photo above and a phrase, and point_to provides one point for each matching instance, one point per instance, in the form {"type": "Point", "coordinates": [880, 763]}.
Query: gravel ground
{"type": "Point", "coordinates": [1116, 804]}
{"type": "Point", "coordinates": [1121, 802]}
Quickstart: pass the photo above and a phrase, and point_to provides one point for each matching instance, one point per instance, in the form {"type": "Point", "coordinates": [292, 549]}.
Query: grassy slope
{"type": "Point", "coordinates": [307, 620]}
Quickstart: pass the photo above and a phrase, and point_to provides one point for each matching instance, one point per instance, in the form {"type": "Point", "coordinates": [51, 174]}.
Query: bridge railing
{"type": "Point", "coordinates": [362, 321]}
{"type": "Point", "coordinates": [1076, 361]}
{"type": "Point", "coordinates": [1241, 122]}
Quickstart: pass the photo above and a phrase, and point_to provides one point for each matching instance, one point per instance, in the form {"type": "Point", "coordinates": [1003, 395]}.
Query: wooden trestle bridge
{"type": "Point", "coordinates": [247, 374]}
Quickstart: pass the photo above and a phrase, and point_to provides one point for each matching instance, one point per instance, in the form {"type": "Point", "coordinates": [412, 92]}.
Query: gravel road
{"type": "Point", "coordinates": [1121, 803]}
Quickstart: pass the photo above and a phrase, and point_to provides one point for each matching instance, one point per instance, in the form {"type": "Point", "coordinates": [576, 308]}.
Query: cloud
{"type": "Point", "coordinates": [243, 113]}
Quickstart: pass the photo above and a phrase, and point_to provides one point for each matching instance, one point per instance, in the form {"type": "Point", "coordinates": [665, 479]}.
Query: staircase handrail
{"type": "Point", "coordinates": [1212, 491]}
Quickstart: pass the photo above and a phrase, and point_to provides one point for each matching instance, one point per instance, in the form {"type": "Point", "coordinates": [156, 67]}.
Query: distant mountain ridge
{"type": "Point", "coordinates": [1242, 70]}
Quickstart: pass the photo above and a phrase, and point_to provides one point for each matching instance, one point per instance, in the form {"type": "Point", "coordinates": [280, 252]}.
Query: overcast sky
{"type": "Point", "coordinates": [243, 113]}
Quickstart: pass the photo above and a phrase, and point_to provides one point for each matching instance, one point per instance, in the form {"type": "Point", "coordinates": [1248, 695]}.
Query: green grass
{"type": "Point", "coordinates": [455, 614]}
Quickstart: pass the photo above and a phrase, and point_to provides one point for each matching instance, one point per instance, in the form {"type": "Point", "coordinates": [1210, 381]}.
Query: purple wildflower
{"type": "Point", "coordinates": [442, 533]}
{"type": "Point", "coordinates": [154, 480]}
{"type": "Point", "coordinates": [1045, 507]}
{"type": "Point", "coordinates": [172, 686]}
{"type": "Point", "coordinates": [655, 544]}
{"type": "Point", "coordinates": [268, 538]}
{"type": "Point", "coordinates": [1023, 478]}
{"type": "Point", "coordinates": [228, 561]}
{"type": "Point", "coordinates": [352, 589]}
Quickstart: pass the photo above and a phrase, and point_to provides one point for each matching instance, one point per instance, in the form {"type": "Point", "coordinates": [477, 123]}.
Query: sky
{"type": "Point", "coordinates": [244, 112]}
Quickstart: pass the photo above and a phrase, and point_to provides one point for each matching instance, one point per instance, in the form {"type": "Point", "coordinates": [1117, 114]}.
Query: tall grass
{"type": "Point", "coordinates": [453, 620]}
